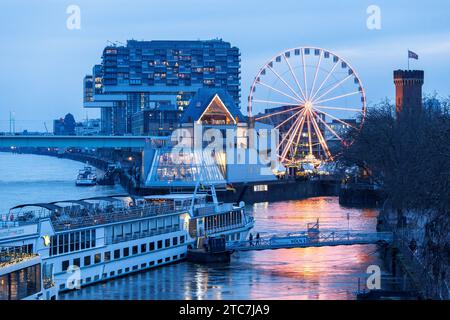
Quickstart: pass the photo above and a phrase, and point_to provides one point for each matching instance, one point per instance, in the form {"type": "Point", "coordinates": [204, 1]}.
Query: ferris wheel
{"type": "Point", "coordinates": [312, 96]}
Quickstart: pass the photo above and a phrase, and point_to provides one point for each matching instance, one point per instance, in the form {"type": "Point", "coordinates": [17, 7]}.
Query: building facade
{"type": "Point", "coordinates": [237, 158]}
{"type": "Point", "coordinates": [157, 75]}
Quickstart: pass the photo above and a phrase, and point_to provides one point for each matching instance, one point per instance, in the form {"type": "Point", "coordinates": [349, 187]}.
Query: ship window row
{"type": "Point", "coordinates": [140, 229]}
{"type": "Point", "coordinates": [21, 283]}
{"type": "Point", "coordinates": [72, 241]}
{"type": "Point", "coordinates": [124, 271]}
{"type": "Point", "coordinates": [123, 253]}
{"type": "Point", "coordinates": [223, 220]}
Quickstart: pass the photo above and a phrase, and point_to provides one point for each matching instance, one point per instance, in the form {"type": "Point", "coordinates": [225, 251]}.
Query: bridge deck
{"type": "Point", "coordinates": [305, 240]}
{"type": "Point", "coordinates": [77, 141]}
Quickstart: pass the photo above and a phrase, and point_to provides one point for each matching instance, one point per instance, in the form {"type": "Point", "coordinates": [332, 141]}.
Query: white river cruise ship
{"type": "Point", "coordinates": [91, 240]}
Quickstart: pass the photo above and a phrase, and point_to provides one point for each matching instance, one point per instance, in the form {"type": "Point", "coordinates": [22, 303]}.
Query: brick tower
{"type": "Point", "coordinates": [408, 91]}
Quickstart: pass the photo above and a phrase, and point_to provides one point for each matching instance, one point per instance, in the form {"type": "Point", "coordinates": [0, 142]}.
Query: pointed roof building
{"type": "Point", "coordinates": [212, 106]}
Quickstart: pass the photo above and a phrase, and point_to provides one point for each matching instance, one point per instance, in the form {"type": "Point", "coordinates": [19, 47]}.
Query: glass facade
{"type": "Point", "coordinates": [21, 283]}
{"type": "Point", "coordinates": [186, 168]}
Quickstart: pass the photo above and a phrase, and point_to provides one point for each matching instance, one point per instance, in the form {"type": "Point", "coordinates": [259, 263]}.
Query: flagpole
{"type": "Point", "coordinates": [408, 59]}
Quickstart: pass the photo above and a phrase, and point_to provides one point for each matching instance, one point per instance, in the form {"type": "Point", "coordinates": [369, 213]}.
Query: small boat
{"type": "Point", "coordinates": [87, 177]}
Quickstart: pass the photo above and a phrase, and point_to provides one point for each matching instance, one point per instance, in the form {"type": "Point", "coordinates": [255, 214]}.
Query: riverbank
{"type": "Point", "coordinates": [408, 259]}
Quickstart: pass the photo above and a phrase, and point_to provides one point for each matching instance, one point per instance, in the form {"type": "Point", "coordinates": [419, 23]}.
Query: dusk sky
{"type": "Point", "coordinates": [43, 63]}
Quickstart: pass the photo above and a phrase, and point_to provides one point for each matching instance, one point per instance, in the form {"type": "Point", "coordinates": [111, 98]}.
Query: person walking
{"type": "Point", "coordinates": [257, 239]}
{"type": "Point", "coordinates": [250, 238]}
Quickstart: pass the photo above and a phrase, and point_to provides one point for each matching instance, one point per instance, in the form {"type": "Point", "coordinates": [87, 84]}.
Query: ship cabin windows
{"type": "Point", "coordinates": [107, 256]}
{"type": "Point", "coordinates": [151, 246]}
{"type": "Point", "coordinates": [175, 241]}
{"type": "Point", "coordinates": [167, 243]}
{"type": "Point", "coordinates": [97, 258]}
{"type": "Point", "coordinates": [72, 241]}
{"type": "Point", "coordinates": [77, 262]}
{"type": "Point", "coordinates": [126, 252]}
{"type": "Point", "coordinates": [134, 250]}
{"type": "Point", "coordinates": [87, 261]}
{"type": "Point", "coordinates": [117, 254]}
{"type": "Point", "coordinates": [227, 220]}
{"type": "Point", "coordinates": [160, 244]}
{"type": "Point", "coordinates": [135, 230]}
{"type": "Point", "coordinates": [143, 248]}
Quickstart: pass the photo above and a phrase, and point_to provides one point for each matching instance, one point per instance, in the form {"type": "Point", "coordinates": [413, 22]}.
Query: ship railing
{"type": "Point", "coordinates": [145, 234]}
{"type": "Point", "coordinates": [100, 217]}
{"type": "Point", "coordinates": [211, 208]}
{"type": "Point", "coordinates": [11, 255]}
{"type": "Point", "coordinates": [11, 219]}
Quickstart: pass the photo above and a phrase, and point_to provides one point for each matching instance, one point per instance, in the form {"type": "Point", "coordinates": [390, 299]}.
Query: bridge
{"type": "Point", "coordinates": [77, 141]}
{"type": "Point", "coordinates": [311, 239]}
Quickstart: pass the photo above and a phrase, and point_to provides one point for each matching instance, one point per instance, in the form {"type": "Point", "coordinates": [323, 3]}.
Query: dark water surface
{"type": "Point", "coordinates": [313, 273]}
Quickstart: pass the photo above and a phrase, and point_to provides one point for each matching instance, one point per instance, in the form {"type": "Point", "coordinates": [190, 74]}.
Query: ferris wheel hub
{"type": "Point", "coordinates": [308, 105]}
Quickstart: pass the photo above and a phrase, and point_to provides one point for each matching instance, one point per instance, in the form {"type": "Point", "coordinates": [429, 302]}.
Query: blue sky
{"type": "Point", "coordinates": [43, 63]}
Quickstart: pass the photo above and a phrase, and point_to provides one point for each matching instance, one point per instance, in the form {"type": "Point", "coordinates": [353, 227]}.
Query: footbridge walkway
{"type": "Point", "coordinates": [311, 239]}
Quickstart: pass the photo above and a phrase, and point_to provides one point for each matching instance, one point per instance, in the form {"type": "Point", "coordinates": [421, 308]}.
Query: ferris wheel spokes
{"type": "Point", "coordinates": [284, 81]}
{"type": "Point", "coordinates": [335, 118]}
{"type": "Point", "coordinates": [328, 127]}
{"type": "Point", "coordinates": [292, 136]}
{"type": "Point", "coordinates": [304, 75]}
{"type": "Point", "coordinates": [295, 78]}
{"type": "Point", "coordinates": [279, 91]}
{"type": "Point", "coordinates": [337, 85]}
{"type": "Point", "coordinates": [278, 112]}
{"type": "Point", "coordinates": [326, 79]}
{"type": "Point", "coordinates": [338, 108]}
{"type": "Point", "coordinates": [316, 74]}
{"type": "Point", "coordinates": [338, 97]}
{"type": "Point", "coordinates": [320, 137]}
{"type": "Point", "coordinates": [276, 102]}
{"type": "Point", "coordinates": [285, 121]}
{"type": "Point", "coordinates": [290, 129]}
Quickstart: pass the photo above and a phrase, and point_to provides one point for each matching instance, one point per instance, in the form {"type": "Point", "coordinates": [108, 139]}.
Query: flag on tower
{"type": "Point", "coordinates": [413, 55]}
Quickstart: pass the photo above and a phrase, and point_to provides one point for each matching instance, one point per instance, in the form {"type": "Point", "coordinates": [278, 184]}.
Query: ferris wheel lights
{"type": "Point", "coordinates": [300, 89]}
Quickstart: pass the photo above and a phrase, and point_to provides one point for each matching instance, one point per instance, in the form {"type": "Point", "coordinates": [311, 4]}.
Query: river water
{"type": "Point", "coordinates": [312, 273]}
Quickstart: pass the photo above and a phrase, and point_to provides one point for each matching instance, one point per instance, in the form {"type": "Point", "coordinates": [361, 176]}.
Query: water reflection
{"type": "Point", "coordinates": [311, 273]}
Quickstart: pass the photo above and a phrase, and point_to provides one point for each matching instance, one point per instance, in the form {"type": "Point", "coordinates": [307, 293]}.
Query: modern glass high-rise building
{"type": "Point", "coordinates": [158, 75]}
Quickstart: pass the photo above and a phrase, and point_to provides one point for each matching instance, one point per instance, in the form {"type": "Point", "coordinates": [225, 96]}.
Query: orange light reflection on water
{"type": "Point", "coordinates": [311, 271]}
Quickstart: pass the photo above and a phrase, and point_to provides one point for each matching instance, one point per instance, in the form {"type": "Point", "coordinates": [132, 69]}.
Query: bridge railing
{"type": "Point", "coordinates": [305, 239]}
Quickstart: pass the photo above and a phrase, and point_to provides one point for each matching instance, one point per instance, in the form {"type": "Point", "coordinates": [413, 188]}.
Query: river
{"type": "Point", "coordinates": [313, 273]}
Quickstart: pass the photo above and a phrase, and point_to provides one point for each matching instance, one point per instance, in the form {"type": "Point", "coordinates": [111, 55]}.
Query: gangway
{"type": "Point", "coordinates": [308, 240]}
